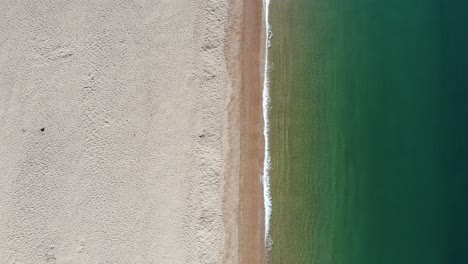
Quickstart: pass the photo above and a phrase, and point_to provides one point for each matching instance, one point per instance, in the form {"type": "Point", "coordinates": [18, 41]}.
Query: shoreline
{"type": "Point", "coordinates": [267, 199]}
{"type": "Point", "coordinates": [244, 194]}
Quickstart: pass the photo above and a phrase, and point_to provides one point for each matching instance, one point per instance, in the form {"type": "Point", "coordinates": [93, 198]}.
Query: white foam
{"type": "Point", "coordinates": [265, 106]}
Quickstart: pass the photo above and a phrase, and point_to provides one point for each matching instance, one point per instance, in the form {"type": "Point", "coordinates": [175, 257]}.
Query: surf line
{"type": "Point", "coordinates": [265, 107]}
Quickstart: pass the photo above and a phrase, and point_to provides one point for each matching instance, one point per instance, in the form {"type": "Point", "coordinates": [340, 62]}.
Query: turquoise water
{"type": "Point", "coordinates": [368, 127]}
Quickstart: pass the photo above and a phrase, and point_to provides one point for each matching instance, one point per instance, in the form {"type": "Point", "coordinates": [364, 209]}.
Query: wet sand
{"type": "Point", "coordinates": [246, 73]}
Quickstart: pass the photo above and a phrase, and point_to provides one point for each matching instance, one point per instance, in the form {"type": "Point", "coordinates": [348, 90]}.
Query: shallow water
{"type": "Point", "coordinates": [369, 112]}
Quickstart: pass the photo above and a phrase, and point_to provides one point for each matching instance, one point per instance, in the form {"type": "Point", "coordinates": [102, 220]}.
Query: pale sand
{"type": "Point", "coordinates": [131, 96]}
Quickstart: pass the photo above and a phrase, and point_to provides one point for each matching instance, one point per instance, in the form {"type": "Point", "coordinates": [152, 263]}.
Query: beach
{"type": "Point", "coordinates": [131, 132]}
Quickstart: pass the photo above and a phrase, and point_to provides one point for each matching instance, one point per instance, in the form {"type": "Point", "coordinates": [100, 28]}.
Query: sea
{"type": "Point", "coordinates": [367, 131]}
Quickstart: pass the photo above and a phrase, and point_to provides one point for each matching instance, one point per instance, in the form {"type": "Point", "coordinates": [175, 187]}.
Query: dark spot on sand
{"type": "Point", "coordinates": [43, 129]}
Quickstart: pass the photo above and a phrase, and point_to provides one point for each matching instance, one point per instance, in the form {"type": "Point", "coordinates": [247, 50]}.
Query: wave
{"type": "Point", "coordinates": [266, 105]}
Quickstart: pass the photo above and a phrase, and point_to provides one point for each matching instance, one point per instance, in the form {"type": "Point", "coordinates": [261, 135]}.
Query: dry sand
{"type": "Point", "coordinates": [111, 132]}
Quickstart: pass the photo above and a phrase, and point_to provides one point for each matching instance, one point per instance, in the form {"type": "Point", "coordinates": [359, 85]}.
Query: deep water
{"type": "Point", "coordinates": [369, 127]}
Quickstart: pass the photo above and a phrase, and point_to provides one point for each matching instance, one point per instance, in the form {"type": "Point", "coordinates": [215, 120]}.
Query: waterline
{"type": "Point", "coordinates": [265, 106]}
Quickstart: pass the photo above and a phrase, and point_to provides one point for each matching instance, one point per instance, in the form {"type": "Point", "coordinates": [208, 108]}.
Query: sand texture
{"type": "Point", "coordinates": [111, 131]}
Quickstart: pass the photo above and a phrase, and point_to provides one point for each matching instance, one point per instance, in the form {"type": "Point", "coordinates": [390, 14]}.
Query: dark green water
{"type": "Point", "coordinates": [369, 127]}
